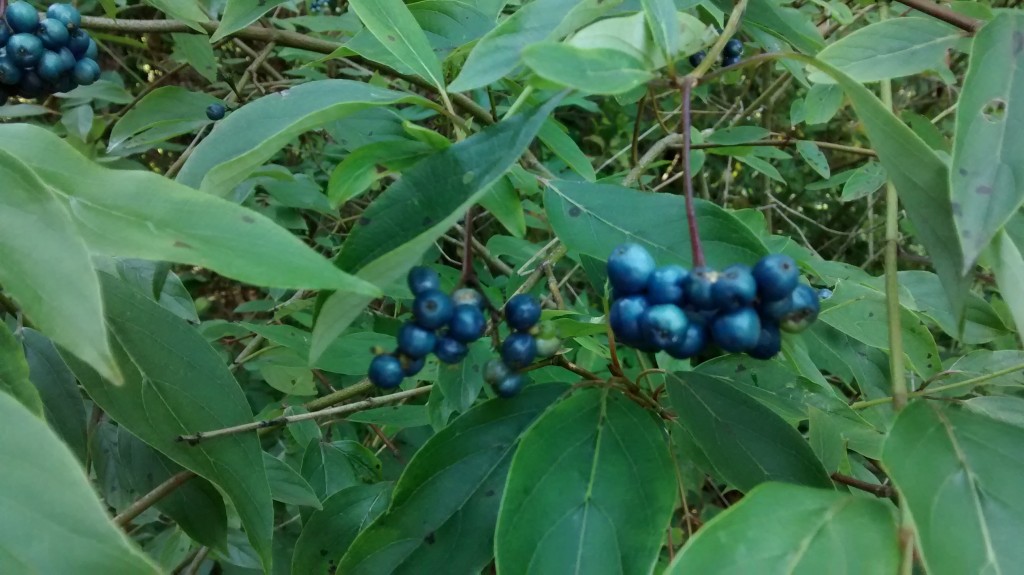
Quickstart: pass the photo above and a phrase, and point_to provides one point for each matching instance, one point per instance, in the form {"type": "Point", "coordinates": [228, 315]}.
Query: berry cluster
{"type": "Point", "coordinates": [740, 309]}
{"type": "Point", "coordinates": [442, 325]}
{"type": "Point", "coordinates": [38, 58]}
{"type": "Point", "coordinates": [731, 54]}
{"type": "Point", "coordinates": [216, 112]}
{"type": "Point", "coordinates": [320, 6]}
{"type": "Point", "coordinates": [527, 342]}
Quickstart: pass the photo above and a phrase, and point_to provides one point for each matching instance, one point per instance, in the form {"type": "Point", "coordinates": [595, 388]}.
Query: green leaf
{"type": "Point", "coordinates": [1003, 408]}
{"type": "Point", "coordinates": [175, 384]}
{"type": "Point", "coordinates": [47, 497]}
{"type": "Point", "coordinates": [331, 467]}
{"type": "Point", "coordinates": [187, 11]}
{"type": "Point", "coordinates": [954, 466]}
{"type": "Point", "coordinates": [398, 416]}
{"type": "Point", "coordinates": [138, 214]}
{"type": "Point", "coordinates": [445, 504]}
{"type": "Point", "coordinates": [782, 21]}
{"type": "Point", "coordinates": [44, 264]}
{"type": "Point", "coordinates": [814, 157]}
{"type": "Point", "coordinates": [590, 70]}
{"type": "Point", "coordinates": [591, 490]}
{"type": "Point", "coordinates": [822, 103]}
{"type": "Point", "coordinates": [988, 151]}
{"type": "Point", "coordinates": [367, 164]}
{"type": "Point", "coordinates": [394, 26]}
{"type": "Point", "coordinates": [405, 221]}
{"type": "Point", "coordinates": [327, 534]}
{"type": "Point", "coordinates": [461, 383]}
{"type": "Point", "coordinates": [737, 135]}
{"type": "Point", "coordinates": [661, 18]}
{"type": "Point", "coordinates": [1008, 265]}
{"type": "Point", "coordinates": [889, 49]}
{"type": "Point", "coordinates": [590, 220]}
{"type": "Point", "coordinates": [746, 442]}
{"type": "Point", "coordinates": [62, 402]}
{"type": "Point", "coordinates": [503, 202]}
{"type": "Point", "coordinates": [794, 530]}
{"type": "Point", "coordinates": [286, 485]}
{"type": "Point", "coordinates": [162, 114]}
{"type": "Point", "coordinates": [240, 13]}
{"type": "Point", "coordinates": [252, 134]}
{"type": "Point", "coordinates": [864, 181]}
{"type": "Point", "coordinates": [762, 166]}
{"type": "Point", "coordinates": [981, 322]}
{"type": "Point", "coordinates": [196, 51]}
{"type": "Point", "coordinates": [14, 374]}
{"type": "Point", "coordinates": [632, 35]}
{"type": "Point", "coordinates": [555, 137]}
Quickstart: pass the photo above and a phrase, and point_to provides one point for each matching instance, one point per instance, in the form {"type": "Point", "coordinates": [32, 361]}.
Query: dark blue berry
{"type": "Point", "coordinates": [510, 386]}
{"type": "Point", "coordinates": [66, 14]}
{"type": "Point", "coordinates": [432, 309]}
{"type": "Point", "coordinates": [78, 42]}
{"type": "Point", "coordinates": [697, 58]}
{"type": "Point", "coordinates": [386, 371]}
{"type": "Point", "coordinates": [629, 268]}
{"type": "Point", "coordinates": [450, 350]}
{"type": "Point", "coordinates": [667, 285]}
{"type": "Point", "coordinates": [467, 323]}
{"type": "Point", "coordinates": [734, 288]}
{"type": "Point", "coordinates": [411, 367]}
{"type": "Point", "coordinates": [693, 342]}
{"type": "Point", "coordinates": [216, 112]}
{"type": "Point", "coordinates": [64, 84]}
{"type": "Point", "coordinates": [729, 61]}
{"type": "Point", "coordinates": [737, 331]}
{"type": "Point", "coordinates": [519, 350]}
{"type": "Point", "coordinates": [469, 296]}
{"type": "Point", "coordinates": [421, 279]}
{"type": "Point", "coordinates": [733, 48]}
{"type": "Point", "coordinates": [10, 73]}
{"type": "Point", "coordinates": [522, 312]}
{"type": "Point", "coordinates": [50, 66]}
{"type": "Point", "coordinates": [803, 309]}
{"type": "Point", "coordinates": [663, 325]}
{"type": "Point", "coordinates": [624, 317]}
{"type": "Point", "coordinates": [25, 49]}
{"type": "Point", "coordinates": [22, 17]}
{"type": "Point", "coordinates": [698, 288]}
{"type": "Point", "coordinates": [53, 34]}
{"type": "Point", "coordinates": [769, 343]}
{"type": "Point", "coordinates": [31, 85]}
{"type": "Point", "coordinates": [5, 32]}
{"type": "Point", "coordinates": [495, 371]}
{"type": "Point", "coordinates": [776, 276]}
{"type": "Point", "coordinates": [67, 59]}
{"type": "Point", "coordinates": [414, 341]}
{"type": "Point", "coordinates": [86, 72]}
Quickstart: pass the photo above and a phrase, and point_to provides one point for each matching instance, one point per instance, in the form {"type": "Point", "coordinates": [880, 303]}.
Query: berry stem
{"type": "Point", "coordinates": [468, 275]}
{"type": "Point", "coordinates": [691, 215]}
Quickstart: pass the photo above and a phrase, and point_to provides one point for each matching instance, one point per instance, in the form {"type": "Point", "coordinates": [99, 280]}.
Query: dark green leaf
{"type": "Point", "coordinates": [461, 383]}
{"type": "Point", "coordinates": [187, 11]}
{"type": "Point", "coordinates": [395, 28]}
{"type": "Point", "coordinates": [360, 169]}
{"type": "Point", "coordinates": [398, 416]}
{"type": "Point", "coordinates": [62, 402]}
{"type": "Point", "coordinates": [162, 114]}
{"type": "Point", "coordinates": [331, 467]}
{"type": "Point", "coordinates": [822, 103]}
{"type": "Point", "coordinates": [196, 51]}
{"type": "Point", "coordinates": [554, 137]}
{"type": "Point", "coordinates": [864, 181]}
{"type": "Point", "coordinates": [814, 157]}
{"type": "Point", "coordinates": [286, 485]}
{"type": "Point", "coordinates": [14, 374]}
{"type": "Point", "coordinates": [240, 13]}
{"type": "Point", "coordinates": [327, 534]}
{"type": "Point", "coordinates": [737, 135]}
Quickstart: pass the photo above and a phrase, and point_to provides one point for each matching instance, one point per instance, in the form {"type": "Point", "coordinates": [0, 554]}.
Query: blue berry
{"type": "Point", "coordinates": [803, 309]}
{"type": "Point", "coordinates": [414, 341]}
{"type": "Point", "coordinates": [730, 61]}
{"type": "Point", "coordinates": [22, 18]}
{"type": "Point", "coordinates": [432, 309]}
{"type": "Point", "coordinates": [693, 342]}
{"type": "Point", "coordinates": [411, 367]}
{"type": "Point", "coordinates": [53, 34]}
{"type": "Point", "coordinates": [667, 284]}
{"type": "Point", "coordinates": [663, 325]}
{"type": "Point", "coordinates": [86, 72]}
{"type": "Point", "coordinates": [64, 84]}
{"type": "Point", "coordinates": [733, 48]}
{"type": "Point", "coordinates": [5, 32]}
{"type": "Point", "coordinates": [737, 331]}
{"type": "Point", "coordinates": [450, 350]}
{"type": "Point", "coordinates": [769, 343]}
{"type": "Point", "coordinates": [50, 66]}
{"type": "Point", "coordinates": [469, 296]}
{"type": "Point", "coordinates": [31, 85]}
{"type": "Point", "coordinates": [698, 288]}
{"type": "Point", "coordinates": [93, 51]}
{"type": "Point", "coordinates": [78, 42]}
{"type": "Point", "coordinates": [629, 268]}
{"type": "Point", "coordinates": [735, 288]}
{"type": "Point", "coordinates": [624, 317]}
{"type": "Point", "coordinates": [824, 294]}
{"type": "Point", "coordinates": [522, 312]}
{"type": "Point", "coordinates": [697, 58]}
{"type": "Point", "coordinates": [386, 371]}
{"type": "Point", "coordinates": [67, 59]}
{"type": "Point", "coordinates": [519, 350]}
{"type": "Point", "coordinates": [467, 323]}
{"type": "Point", "coordinates": [510, 385]}
{"type": "Point", "coordinates": [25, 49]}
{"type": "Point", "coordinates": [422, 279]}
{"type": "Point", "coordinates": [215, 112]}
{"type": "Point", "coordinates": [776, 276]}
{"type": "Point", "coordinates": [3, 97]}
{"type": "Point", "coordinates": [10, 73]}
{"type": "Point", "coordinates": [66, 14]}
{"type": "Point", "coordinates": [495, 371]}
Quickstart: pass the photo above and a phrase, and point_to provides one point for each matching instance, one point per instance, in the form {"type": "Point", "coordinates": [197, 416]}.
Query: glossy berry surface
{"type": "Point", "coordinates": [467, 323]}
{"type": "Point", "coordinates": [66, 14]}
{"type": "Point", "coordinates": [50, 66]}
{"type": "Point", "coordinates": [386, 371]}
{"type": "Point", "coordinates": [67, 59]}
{"type": "Point", "coordinates": [469, 296]}
{"type": "Point", "coordinates": [733, 48]}
{"type": "Point", "coordinates": [729, 61]}
{"type": "Point", "coordinates": [25, 50]}
{"type": "Point", "coordinates": [432, 309]}
{"type": "Point", "coordinates": [86, 72]}
{"type": "Point", "coordinates": [624, 317]}
{"type": "Point", "coordinates": [422, 279]}
{"type": "Point", "coordinates": [22, 17]}
{"type": "Point", "coordinates": [215, 112]}
{"type": "Point", "coordinates": [803, 309]}
{"type": "Point", "coordinates": [519, 350]}
{"type": "Point", "coordinates": [78, 43]}
{"type": "Point", "coordinates": [411, 367]}
{"type": "Point", "coordinates": [449, 350]}
{"type": "Point", "coordinates": [522, 312]}
{"type": "Point", "coordinates": [663, 325]}
{"type": "Point", "coordinates": [697, 58]}
{"type": "Point", "coordinates": [693, 342]}
{"type": "Point", "coordinates": [92, 51]}
{"type": "Point", "coordinates": [10, 73]}
{"type": "Point", "coordinates": [737, 331]}
{"type": "Point", "coordinates": [769, 343]}
{"type": "Point", "coordinates": [53, 34]}
{"type": "Point", "coordinates": [510, 386]}
{"type": "Point", "coordinates": [734, 288]}
{"type": "Point", "coordinates": [629, 268]}
{"type": "Point", "coordinates": [776, 276]}
{"type": "Point", "coordinates": [667, 284]}
{"type": "Point", "coordinates": [698, 288]}
{"type": "Point", "coordinates": [495, 370]}
{"type": "Point", "coordinates": [414, 341]}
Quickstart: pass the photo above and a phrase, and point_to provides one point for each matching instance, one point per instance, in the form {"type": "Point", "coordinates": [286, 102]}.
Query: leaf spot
{"type": "Point", "coordinates": [984, 190]}
{"type": "Point", "coordinates": [1018, 42]}
{"type": "Point", "coordinates": [364, 221]}
{"type": "Point", "coordinates": [468, 177]}
{"type": "Point", "coordinates": [575, 211]}
{"type": "Point", "coordinates": [181, 244]}
{"type": "Point", "coordinates": [995, 110]}
{"type": "Point", "coordinates": [248, 219]}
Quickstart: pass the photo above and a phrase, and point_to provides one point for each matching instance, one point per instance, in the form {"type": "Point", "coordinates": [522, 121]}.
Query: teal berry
{"type": "Point", "coordinates": [449, 350]}
{"type": "Point", "coordinates": [495, 371]}
{"type": "Point", "coordinates": [698, 288]}
{"type": "Point", "coordinates": [776, 275]}
{"type": "Point", "coordinates": [411, 367]}
{"type": "Point", "coordinates": [694, 341]}
{"type": "Point", "coordinates": [414, 341]}
{"type": "Point", "coordinates": [25, 49]}
{"type": "Point", "coordinates": [432, 309]}
{"type": "Point", "coordinates": [467, 323]}
{"type": "Point", "coordinates": [67, 59]}
{"type": "Point", "coordinates": [737, 331]}
{"type": "Point", "coordinates": [422, 279]}
{"type": "Point", "coordinates": [22, 18]}
{"type": "Point", "coordinates": [216, 112]}
{"type": "Point", "coordinates": [519, 350]}
{"type": "Point", "coordinates": [53, 34]}
{"type": "Point", "coordinates": [522, 312]}
{"type": "Point", "coordinates": [803, 309]}
{"type": "Point", "coordinates": [10, 73]}
{"type": "Point", "coordinates": [86, 72]}
{"type": "Point", "coordinates": [629, 268]}
{"type": "Point", "coordinates": [663, 325]}
{"type": "Point", "coordinates": [769, 343]}
{"type": "Point", "coordinates": [469, 296]}
{"type": "Point", "coordinates": [510, 386]}
{"type": "Point", "coordinates": [50, 66]}
{"type": "Point", "coordinates": [624, 317]}
{"type": "Point", "coordinates": [64, 84]}
{"type": "Point", "coordinates": [667, 285]}
{"type": "Point", "coordinates": [733, 48]}
{"type": "Point", "coordinates": [734, 288]}
{"type": "Point", "coordinates": [5, 32]}
{"type": "Point", "coordinates": [78, 42]}
{"type": "Point", "coordinates": [66, 14]}
{"type": "Point", "coordinates": [386, 372]}
{"type": "Point", "coordinates": [93, 51]}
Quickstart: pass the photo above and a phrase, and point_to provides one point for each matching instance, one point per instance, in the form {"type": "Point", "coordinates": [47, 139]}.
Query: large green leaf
{"type": "Point", "coordinates": [795, 530]}
{"type": "Point", "coordinates": [981, 322]}
{"type": "Point", "coordinates": [746, 442]}
{"type": "Point", "coordinates": [62, 402]}
{"type": "Point", "coordinates": [785, 22]}
{"type": "Point", "coordinates": [957, 467]}
{"type": "Point", "coordinates": [329, 467]}
{"type": "Point", "coordinates": [286, 485]}
{"type": "Point", "coordinates": [405, 221]}
{"type": "Point", "coordinates": [44, 264]}
{"type": "Point", "coordinates": [391, 22]}
{"type": "Point", "coordinates": [1008, 265]}
{"type": "Point", "coordinates": [327, 534]}
{"type": "Point", "coordinates": [14, 375]}
{"type": "Point", "coordinates": [240, 13]}
{"type": "Point", "coordinates": [187, 11]}
{"type": "Point", "coordinates": [175, 384]}
{"type": "Point", "coordinates": [589, 219]}
{"type": "Point", "coordinates": [162, 114]}
{"type": "Point", "coordinates": [591, 490]}
{"type": "Point", "coordinates": [364, 166]}
{"type": "Point", "coordinates": [889, 49]}
{"type": "Point", "coordinates": [255, 132]}
{"type": "Point", "coordinates": [445, 505]}
{"type": "Point", "coordinates": [139, 214]}
{"type": "Point", "coordinates": [988, 151]}
{"type": "Point", "coordinates": [662, 21]}
{"type": "Point", "coordinates": [589, 70]}
{"type": "Point", "coordinates": [52, 521]}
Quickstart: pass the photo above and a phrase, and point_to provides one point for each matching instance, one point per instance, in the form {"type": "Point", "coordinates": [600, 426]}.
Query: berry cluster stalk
{"type": "Point", "coordinates": [468, 276]}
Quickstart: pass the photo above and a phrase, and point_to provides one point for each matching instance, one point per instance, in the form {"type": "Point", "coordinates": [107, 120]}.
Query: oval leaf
{"type": "Point", "coordinates": [327, 534]}
{"type": "Point", "coordinates": [162, 114]}
{"type": "Point", "coordinates": [590, 70]}
{"type": "Point", "coordinates": [391, 22]}
{"type": "Point", "coordinates": [14, 379]}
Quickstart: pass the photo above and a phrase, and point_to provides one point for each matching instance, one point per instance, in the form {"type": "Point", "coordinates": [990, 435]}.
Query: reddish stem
{"type": "Point", "coordinates": [691, 215]}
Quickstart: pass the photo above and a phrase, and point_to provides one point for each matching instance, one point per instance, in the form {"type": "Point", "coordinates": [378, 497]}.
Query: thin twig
{"type": "Point", "coordinates": [965, 23]}
{"type": "Point", "coordinates": [939, 389]}
{"type": "Point", "coordinates": [873, 488]}
{"type": "Point", "coordinates": [124, 518]}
